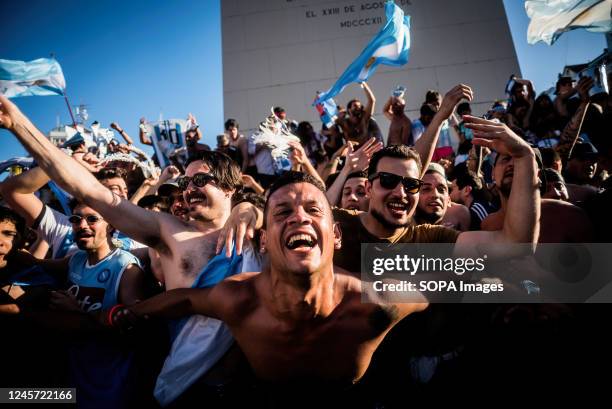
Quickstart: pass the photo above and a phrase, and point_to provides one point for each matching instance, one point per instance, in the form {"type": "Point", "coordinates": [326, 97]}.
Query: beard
{"type": "Point", "coordinates": [386, 223]}
{"type": "Point", "coordinates": [427, 218]}
{"type": "Point", "coordinates": [505, 188]}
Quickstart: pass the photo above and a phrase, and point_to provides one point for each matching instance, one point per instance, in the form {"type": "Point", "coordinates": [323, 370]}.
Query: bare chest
{"type": "Point", "coordinates": [187, 260]}
{"type": "Point", "coordinates": [338, 349]}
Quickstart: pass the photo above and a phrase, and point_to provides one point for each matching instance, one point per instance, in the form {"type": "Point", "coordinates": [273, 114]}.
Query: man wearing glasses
{"type": "Point", "coordinates": [185, 248]}
{"type": "Point", "coordinates": [98, 276]}
{"type": "Point", "coordinates": [394, 184]}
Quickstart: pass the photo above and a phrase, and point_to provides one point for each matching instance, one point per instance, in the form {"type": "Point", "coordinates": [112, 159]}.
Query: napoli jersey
{"type": "Point", "coordinates": [97, 287]}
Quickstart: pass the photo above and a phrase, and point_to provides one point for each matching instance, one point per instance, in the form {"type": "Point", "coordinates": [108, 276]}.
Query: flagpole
{"type": "Point", "coordinates": [69, 109]}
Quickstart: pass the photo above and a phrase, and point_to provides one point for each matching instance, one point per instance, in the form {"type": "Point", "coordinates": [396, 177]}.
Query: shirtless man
{"type": "Point", "coordinates": [575, 228]}
{"type": "Point", "coordinates": [184, 247]}
{"type": "Point", "coordinates": [301, 320]}
{"type": "Point", "coordinates": [401, 126]}
{"type": "Point", "coordinates": [357, 121]}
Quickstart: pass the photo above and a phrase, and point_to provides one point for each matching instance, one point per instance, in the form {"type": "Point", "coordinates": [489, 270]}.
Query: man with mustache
{"type": "Point", "coordinates": [52, 225]}
{"type": "Point", "coordinates": [185, 247]}
{"type": "Point", "coordinates": [301, 321]}
{"type": "Point", "coordinates": [98, 276]}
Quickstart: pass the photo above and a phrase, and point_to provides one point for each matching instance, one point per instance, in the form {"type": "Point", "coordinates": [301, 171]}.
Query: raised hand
{"type": "Point", "coordinates": [583, 87]}
{"type": "Point", "coordinates": [9, 113]}
{"type": "Point", "coordinates": [359, 160]}
{"type": "Point", "coordinates": [453, 97]}
{"type": "Point", "coordinates": [169, 172]}
{"type": "Point", "coordinates": [248, 181]}
{"type": "Point", "coordinates": [496, 136]}
{"type": "Point", "coordinates": [298, 155]}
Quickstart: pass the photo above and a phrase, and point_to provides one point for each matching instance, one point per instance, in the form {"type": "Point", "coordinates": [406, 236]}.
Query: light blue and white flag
{"type": "Point", "coordinates": [391, 46]}
{"type": "Point", "coordinates": [551, 18]}
{"type": "Point", "coordinates": [43, 76]}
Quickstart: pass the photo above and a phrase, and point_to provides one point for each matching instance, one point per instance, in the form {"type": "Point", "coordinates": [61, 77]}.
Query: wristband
{"type": "Point", "coordinates": [111, 313]}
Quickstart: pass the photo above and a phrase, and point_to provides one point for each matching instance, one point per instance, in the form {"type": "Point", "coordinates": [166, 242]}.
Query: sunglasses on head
{"type": "Point", "coordinates": [90, 219]}
{"type": "Point", "coordinates": [390, 180]}
{"type": "Point", "coordinates": [199, 179]}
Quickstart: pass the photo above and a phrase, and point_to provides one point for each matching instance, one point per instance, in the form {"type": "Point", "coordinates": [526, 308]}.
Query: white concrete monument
{"type": "Point", "coordinates": [281, 52]}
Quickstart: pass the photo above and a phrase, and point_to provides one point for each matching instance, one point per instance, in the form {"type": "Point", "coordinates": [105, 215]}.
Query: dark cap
{"type": "Point", "coordinates": [584, 150]}
{"type": "Point", "coordinates": [168, 187]}
{"type": "Point", "coordinates": [278, 110]}
{"type": "Point", "coordinates": [76, 140]}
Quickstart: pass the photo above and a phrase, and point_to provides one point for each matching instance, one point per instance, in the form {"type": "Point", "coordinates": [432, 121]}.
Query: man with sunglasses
{"type": "Point", "coordinates": [185, 248]}
{"type": "Point", "coordinates": [53, 226]}
{"type": "Point", "coordinates": [394, 184]}
{"type": "Point", "coordinates": [97, 276]}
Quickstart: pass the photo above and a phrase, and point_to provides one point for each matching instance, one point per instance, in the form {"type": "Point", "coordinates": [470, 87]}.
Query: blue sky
{"type": "Point", "coordinates": [128, 59]}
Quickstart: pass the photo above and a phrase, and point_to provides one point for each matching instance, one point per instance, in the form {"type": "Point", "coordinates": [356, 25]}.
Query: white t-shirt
{"type": "Point", "coordinates": [57, 231]}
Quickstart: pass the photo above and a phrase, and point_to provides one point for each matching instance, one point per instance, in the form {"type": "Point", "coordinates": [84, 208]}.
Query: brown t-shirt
{"type": "Point", "coordinates": [354, 233]}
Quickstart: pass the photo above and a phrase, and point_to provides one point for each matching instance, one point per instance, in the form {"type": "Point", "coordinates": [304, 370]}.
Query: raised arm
{"type": "Point", "coordinates": [369, 109]}
{"type": "Point", "coordinates": [122, 132]}
{"type": "Point", "coordinates": [298, 158]}
{"type": "Point", "coordinates": [387, 111]}
{"type": "Point", "coordinates": [572, 129]}
{"type": "Point", "coordinates": [140, 224]}
{"type": "Point", "coordinates": [426, 144]}
{"type": "Point", "coordinates": [355, 162]}
{"type": "Point", "coordinates": [18, 191]}
{"type": "Point", "coordinates": [144, 138]}
{"type": "Point", "coordinates": [522, 219]}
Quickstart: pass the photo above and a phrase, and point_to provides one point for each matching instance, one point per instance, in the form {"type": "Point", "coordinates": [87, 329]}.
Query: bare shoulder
{"type": "Point", "coordinates": [382, 310]}
{"type": "Point", "coordinates": [238, 295]}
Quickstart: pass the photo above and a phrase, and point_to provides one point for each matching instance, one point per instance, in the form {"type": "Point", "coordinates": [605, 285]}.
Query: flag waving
{"type": "Point", "coordinates": [551, 18]}
{"type": "Point", "coordinates": [43, 76]}
{"type": "Point", "coordinates": [391, 46]}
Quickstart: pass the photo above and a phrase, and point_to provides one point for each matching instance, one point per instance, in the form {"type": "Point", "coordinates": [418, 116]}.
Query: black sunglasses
{"type": "Point", "coordinates": [199, 179]}
{"type": "Point", "coordinates": [90, 219]}
{"type": "Point", "coordinates": [390, 181]}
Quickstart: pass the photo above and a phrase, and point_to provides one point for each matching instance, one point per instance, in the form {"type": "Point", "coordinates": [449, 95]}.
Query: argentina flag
{"type": "Point", "coordinates": [551, 18]}
{"type": "Point", "coordinates": [43, 76]}
{"type": "Point", "coordinates": [391, 46]}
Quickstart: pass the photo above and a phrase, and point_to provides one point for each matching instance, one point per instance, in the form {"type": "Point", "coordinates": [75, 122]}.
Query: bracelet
{"type": "Point", "coordinates": [111, 313]}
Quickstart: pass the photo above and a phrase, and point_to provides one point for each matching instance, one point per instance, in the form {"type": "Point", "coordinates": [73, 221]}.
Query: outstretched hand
{"type": "Point", "coordinates": [453, 97]}
{"type": "Point", "coordinates": [9, 113]}
{"type": "Point", "coordinates": [357, 161]}
{"type": "Point", "coordinates": [497, 136]}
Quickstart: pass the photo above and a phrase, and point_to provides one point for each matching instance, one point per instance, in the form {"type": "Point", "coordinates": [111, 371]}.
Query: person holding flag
{"type": "Point", "coordinates": [391, 46]}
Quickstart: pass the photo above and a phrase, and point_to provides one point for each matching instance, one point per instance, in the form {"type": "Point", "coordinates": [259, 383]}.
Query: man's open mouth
{"type": "Point", "coordinates": [300, 240]}
{"type": "Point", "coordinates": [84, 235]}
{"type": "Point", "coordinates": [397, 207]}
{"type": "Point", "coordinates": [195, 198]}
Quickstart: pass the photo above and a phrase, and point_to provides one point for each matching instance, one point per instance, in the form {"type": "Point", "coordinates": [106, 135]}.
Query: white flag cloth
{"type": "Point", "coordinates": [551, 18]}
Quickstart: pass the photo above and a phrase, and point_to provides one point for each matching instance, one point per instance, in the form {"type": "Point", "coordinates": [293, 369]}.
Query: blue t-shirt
{"type": "Point", "coordinates": [100, 370]}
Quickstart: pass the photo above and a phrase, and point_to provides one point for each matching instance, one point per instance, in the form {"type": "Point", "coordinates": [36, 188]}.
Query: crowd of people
{"type": "Point", "coordinates": [233, 277]}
